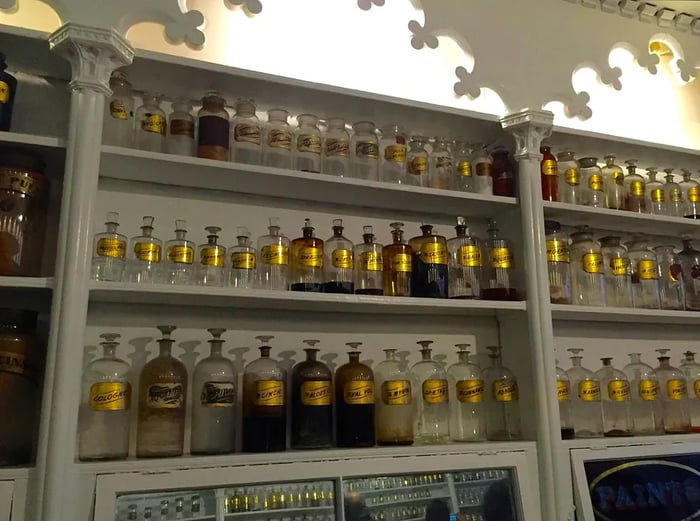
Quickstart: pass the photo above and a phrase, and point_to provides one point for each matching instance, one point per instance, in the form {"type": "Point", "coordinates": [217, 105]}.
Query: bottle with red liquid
{"type": "Point", "coordinates": [549, 175]}
{"type": "Point", "coordinates": [502, 171]}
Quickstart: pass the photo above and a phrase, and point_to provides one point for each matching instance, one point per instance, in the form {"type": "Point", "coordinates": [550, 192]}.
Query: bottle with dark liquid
{"type": "Point", "coordinates": [312, 395]}
{"type": "Point", "coordinates": [497, 274]}
{"type": "Point", "coordinates": [549, 174]}
{"type": "Point", "coordinates": [369, 265]}
{"type": "Point", "coordinates": [264, 410]}
{"type": "Point", "coordinates": [354, 398]}
{"type": "Point", "coordinates": [429, 275]}
{"type": "Point", "coordinates": [503, 175]}
{"type": "Point", "coordinates": [214, 129]}
{"type": "Point", "coordinates": [339, 263]}
{"type": "Point", "coordinates": [397, 264]}
{"type": "Point", "coordinates": [307, 261]}
{"type": "Point", "coordinates": [8, 87]}
{"type": "Point", "coordinates": [564, 398]}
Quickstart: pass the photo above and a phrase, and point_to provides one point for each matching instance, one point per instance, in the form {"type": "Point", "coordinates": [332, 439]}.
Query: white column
{"type": "Point", "coordinates": [93, 54]}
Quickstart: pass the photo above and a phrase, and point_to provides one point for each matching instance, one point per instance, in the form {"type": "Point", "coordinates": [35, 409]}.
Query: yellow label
{"type": "Point", "coordinates": [572, 176]}
{"type": "Point", "coordinates": [648, 390]}
{"type": "Point", "coordinates": [243, 260]}
{"type": "Point", "coordinates": [418, 165]}
{"type": "Point", "coordinates": [396, 392]}
{"type": "Point", "coordinates": [435, 391]}
{"type": "Point", "coordinates": [275, 254]}
{"type": "Point", "coordinates": [4, 92]}
{"type": "Point", "coordinates": [277, 138]}
{"type": "Point", "coordinates": [696, 388]}
{"type": "Point", "coordinates": [637, 188]}
{"type": "Point", "coordinates": [269, 393]}
{"type": "Point", "coordinates": [676, 389]}
{"type": "Point", "coordinates": [505, 391]}
{"type": "Point", "coordinates": [316, 393]}
{"type": "Point", "coordinates": [337, 147]}
{"type": "Point", "coordinates": [470, 391]}
{"type": "Point", "coordinates": [548, 167]}
{"type": "Point", "coordinates": [371, 261]}
{"type": "Point", "coordinates": [563, 391]}
{"type": "Point", "coordinates": [116, 109]}
{"type": "Point", "coordinates": [676, 195]}
{"type": "Point", "coordinates": [592, 263]}
{"type": "Point", "coordinates": [433, 253]}
{"type": "Point", "coordinates": [464, 168]}
{"type": "Point", "coordinates": [165, 396]}
{"type": "Point", "coordinates": [694, 194]}
{"type": "Point", "coordinates": [115, 248]}
{"type": "Point", "coordinates": [154, 123]}
{"type": "Point", "coordinates": [470, 256]}
{"type": "Point", "coordinates": [342, 259]}
{"type": "Point", "coordinates": [310, 143]}
{"type": "Point", "coordinates": [501, 258]}
{"type": "Point", "coordinates": [212, 256]}
{"type": "Point", "coordinates": [595, 182]}
{"type": "Point", "coordinates": [147, 251]}
{"type": "Point", "coordinates": [401, 263]}
{"type": "Point", "coordinates": [12, 363]}
{"type": "Point", "coordinates": [619, 391]}
{"type": "Point", "coordinates": [557, 251]}
{"type": "Point", "coordinates": [589, 391]}
{"type": "Point", "coordinates": [483, 169]}
{"type": "Point", "coordinates": [181, 254]}
{"type": "Point", "coordinates": [395, 153]}
{"type": "Point", "coordinates": [657, 195]}
{"type": "Point", "coordinates": [245, 133]}
{"type": "Point", "coordinates": [646, 269]}
{"type": "Point", "coordinates": [218, 394]}
{"type": "Point", "coordinates": [367, 149]}
{"type": "Point", "coordinates": [110, 396]}
{"type": "Point", "coordinates": [359, 393]}
{"type": "Point", "coordinates": [310, 257]}
{"type": "Point", "coordinates": [619, 266]}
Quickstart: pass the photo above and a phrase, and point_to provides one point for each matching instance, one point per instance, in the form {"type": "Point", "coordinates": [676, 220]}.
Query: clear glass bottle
{"type": "Point", "coordinates": [369, 265]}
{"type": "Point", "coordinates": [691, 369]}
{"type": "Point", "coordinates": [392, 154]}
{"type": "Point", "coordinates": [570, 189]}
{"type": "Point", "coordinates": [417, 162]}
{"type": "Point", "coordinates": [617, 272]}
{"type": "Point", "coordinates": [246, 144]}
{"type": "Point", "coordinates": [179, 257]}
{"type": "Point", "coordinates": [675, 202]}
{"type": "Point", "coordinates": [277, 142]}
{"type": "Point", "coordinates": [430, 390]}
{"type": "Point", "coordinates": [647, 413]}
{"type": "Point", "coordinates": [145, 251]}
{"type": "Point", "coordinates": [103, 427]}
{"type": "Point", "coordinates": [502, 400]}
{"type": "Point", "coordinates": [691, 195]}
{"type": "Point", "coordinates": [464, 266]}
{"type": "Point", "coordinates": [587, 280]}
{"type": "Point", "coordinates": [162, 403]}
{"type": "Point", "coordinates": [307, 261]}
{"type": "Point", "coordinates": [398, 264]}
{"type": "Point", "coordinates": [614, 184]}
{"type": "Point", "coordinates": [616, 399]}
{"type": "Point", "coordinates": [674, 396]}
{"type": "Point", "coordinates": [566, 422]}
{"type": "Point", "coordinates": [180, 138]}
{"type": "Point", "coordinates": [466, 395]}
{"type": "Point", "coordinates": [549, 176]}
{"type": "Point", "coordinates": [654, 193]}
{"type": "Point", "coordinates": [645, 275]}
{"type": "Point", "coordinates": [483, 164]}
{"type": "Point", "coordinates": [463, 179]}
{"type": "Point", "coordinates": [558, 260]}
{"type": "Point", "coordinates": [429, 275]}
{"type": "Point", "coordinates": [497, 284]}
{"type": "Point", "coordinates": [243, 259]}
{"type": "Point", "coordinates": [635, 189]}
{"type": "Point", "coordinates": [307, 144]}
{"type": "Point", "coordinates": [273, 268]}
{"type": "Point", "coordinates": [336, 149]}
{"type": "Point", "coordinates": [264, 421]}
{"type": "Point", "coordinates": [109, 251]}
{"type": "Point", "coordinates": [440, 165]}
{"type": "Point", "coordinates": [586, 407]}
{"type": "Point", "coordinates": [214, 401]}
{"type": "Point", "coordinates": [354, 399]}
{"type": "Point", "coordinates": [364, 149]}
{"type": "Point", "coordinates": [339, 262]}
{"type": "Point", "coordinates": [213, 128]}
{"type": "Point", "coordinates": [670, 275]}
{"type": "Point", "coordinates": [592, 177]}
{"type": "Point", "coordinates": [394, 409]}
{"type": "Point", "coordinates": [118, 127]}
{"type": "Point", "coordinates": [150, 124]}
{"type": "Point", "coordinates": [212, 257]}
{"type": "Point", "coordinates": [690, 264]}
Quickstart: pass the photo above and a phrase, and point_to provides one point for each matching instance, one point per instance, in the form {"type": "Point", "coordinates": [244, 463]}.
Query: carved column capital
{"type": "Point", "coordinates": [93, 54]}
{"type": "Point", "coordinates": [529, 128]}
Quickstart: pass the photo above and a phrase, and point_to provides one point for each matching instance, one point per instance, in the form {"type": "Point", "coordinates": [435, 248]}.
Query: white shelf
{"type": "Point", "coordinates": [285, 511]}
{"type": "Point", "coordinates": [406, 501]}
{"type": "Point", "coordinates": [400, 489]}
{"type": "Point", "coordinates": [691, 440]}
{"type": "Point", "coordinates": [12, 473]}
{"type": "Point", "coordinates": [605, 314]}
{"type": "Point", "coordinates": [32, 141]}
{"type": "Point", "coordinates": [26, 283]}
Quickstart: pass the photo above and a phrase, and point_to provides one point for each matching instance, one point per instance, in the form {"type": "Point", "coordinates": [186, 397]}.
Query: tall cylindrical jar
{"type": "Point", "coordinates": [277, 142]}
{"type": "Point", "coordinates": [617, 272]}
{"type": "Point", "coordinates": [587, 282]}
{"type": "Point", "coordinates": [392, 154]}
{"type": "Point", "coordinates": [364, 149]}
{"type": "Point", "coordinates": [549, 175]}
{"type": "Point", "coordinates": [558, 259]}
{"type": "Point", "coordinates": [569, 182]}
{"type": "Point", "coordinates": [118, 126]}
{"type": "Point", "coordinates": [246, 144]}
{"type": "Point", "coordinates": [307, 144]}
{"type": "Point", "coordinates": [336, 149]}
{"type": "Point", "coordinates": [180, 138]}
{"type": "Point", "coordinates": [645, 275]}
{"type": "Point", "coordinates": [213, 132]}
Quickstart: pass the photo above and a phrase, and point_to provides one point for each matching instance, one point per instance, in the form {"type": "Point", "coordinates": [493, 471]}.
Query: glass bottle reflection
{"type": "Point", "coordinates": [592, 178]}
{"type": "Point", "coordinates": [394, 408]}
{"type": "Point", "coordinates": [691, 195]}
{"type": "Point", "coordinates": [180, 139]}
{"type": "Point", "coordinates": [483, 166]}
{"type": "Point", "coordinates": [151, 124]}
{"type": "Point", "coordinates": [647, 413]}
{"type": "Point", "coordinates": [654, 193]}
{"type": "Point", "coordinates": [213, 129]}
{"type": "Point", "coordinates": [635, 189]}
{"type": "Point", "coordinates": [502, 400]}
{"type": "Point", "coordinates": [674, 396]}
{"type": "Point", "coordinates": [392, 154]}
{"type": "Point", "coordinates": [465, 263]}
{"type": "Point", "coordinates": [307, 144]}
{"type": "Point", "coordinates": [466, 395]}
{"type": "Point", "coordinates": [675, 203]}
{"type": "Point", "coordinates": [440, 165]}
{"type": "Point", "coordinates": [277, 140]}
{"type": "Point", "coordinates": [463, 178]}
{"type": "Point", "coordinates": [431, 398]}
{"type": "Point", "coordinates": [312, 395]}
{"type": "Point", "coordinates": [246, 144]}
{"type": "Point", "coordinates": [109, 251]}
{"type": "Point", "coordinates": [336, 149]}
{"type": "Point", "coordinates": [364, 150]}
{"type": "Point", "coordinates": [613, 183]}
{"type": "Point", "coordinates": [586, 408]}
{"type": "Point", "coordinates": [616, 400]}
{"type": "Point", "coordinates": [569, 182]}
{"type": "Point", "coordinates": [354, 398]}
{"type": "Point", "coordinates": [417, 162]}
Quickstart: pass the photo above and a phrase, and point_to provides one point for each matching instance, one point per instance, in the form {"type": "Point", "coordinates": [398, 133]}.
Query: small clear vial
{"type": "Point", "coordinates": [277, 143]}
{"type": "Point", "coordinates": [150, 124]}
{"type": "Point", "coordinates": [392, 154]}
{"type": "Point", "coordinates": [245, 136]}
{"type": "Point", "coordinates": [307, 144]}
{"type": "Point", "coordinates": [179, 257]}
{"type": "Point", "coordinates": [440, 165]}
{"type": "Point", "coordinates": [336, 149]}
{"type": "Point", "coordinates": [483, 164]}
{"type": "Point", "coordinates": [417, 162]}
{"type": "Point", "coordinates": [364, 147]}
{"type": "Point", "coordinates": [180, 138]}
{"type": "Point", "coordinates": [210, 270]}
{"type": "Point", "coordinates": [145, 255]}
{"type": "Point", "coordinates": [273, 265]}
{"type": "Point", "coordinates": [109, 252]}
{"type": "Point", "coordinates": [243, 261]}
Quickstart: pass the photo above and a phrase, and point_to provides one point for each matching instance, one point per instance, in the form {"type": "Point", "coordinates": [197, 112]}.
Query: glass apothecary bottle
{"type": "Point", "coordinates": [586, 408]}
{"type": "Point", "coordinates": [364, 147]}
{"type": "Point", "coordinates": [307, 261]}
{"type": "Point", "coordinates": [274, 258]}
{"type": "Point", "coordinates": [150, 124]}
{"type": "Point", "coordinates": [7, 99]}
{"type": "Point", "coordinates": [243, 259]}
{"type": "Point", "coordinates": [109, 251]}
{"type": "Point", "coordinates": [429, 277]}
{"type": "Point", "coordinates": [617, 272]}
{"type": "Point", "coordinates": [369, 265]}
{"type": "Point", "coordinates": [392, 154]}
{"type": "Point", "coordinates": [503, 174]}
{"type": "Point", "coordinates": [654, 193]}
{"type": "Point", "coordinates": [549, 175]}
{"type": "Point", "coordinates": [212, 257]}
{"type": "Point", "coordinates": [558, 260]}
{"type": "Point", "coordinates": [587, 280]}
{"type": "Point", "coordinates": [213, 128]}
{"type": "Point", "coordinates": [690, 264]}
{"type": "Point", "coordinates": [645, 275]}
{"type": "Point", "coordinates": [675, 202]}
{"type": "Point", "coordinates": [103, 427]}
{"type": "Point", "coordinates": [179, 257]}
{"type": "Point", "coordinates": [431, 395]}
{"type": "Point", "coordinates": [339, 262]}
{"type": "Point", "coordinates": [277, 142]}
{"type": "Point", "coordinates": [502, 400]}
{"type": "Point", "coordinates": [463, 180]}
{"type": "Point", "coordinates": [145, 252]}
{"type": "Point", "coordinates": [566, 422]}
{"type": "Point", "coordinates": [118, 127]}
{"type": "Point", "coordinates": [214, 401]}
{"type": "Point", "coordinates": [312, 398]}
{"type": "Point", "coordinates": [398, 264]}
{"type": "Point", "coordinates": [264, 405]}
{"type": "Point", "coordinates": [307, 144]}
{"type": "Point", "coordinates": [592, 178]}
{"type": "Point", "coordinates": [440, 165]}
{"type": "Point", "coordinates": [616, 400]}
{"type": "Point", "coordinates": [674, 396]}
{"type": "Point", "coordinates": [670, 275]}
{"type": "Point", "coordinates": [691, 195]}
{"type": "Point", "coordinates": [464, 264]}
{"type": "Point", "coordinates": [162, 403]}
{"type": "Point", "coordinates": [417, 162]}
{"type": "Point", "coordinates": [497, 284]}
{"type": "Point", "coordinates": [483, 165]}
{"type": "Point", "coordinates": [613, 184]}
{"type": "Point", "coordinates": [180, 138]}
{"type": "Point", "coordinates": [336, 149]}
{"type": "Point", "coordinates": [246, 140]}
{"type": "Point", "coordinates": [635, 189]}
{"type": "Point", "coordinates": [394, 409]}
{"type": "Point", "coordinates": [466, 394]}
{"type": "Point", "coordinates": [354, 399]}
{"type": "Point", "coordinates": [647, 414]}
{"type": "Point", "coordinates": [691, 370]}
{"type": "Point", "coordinates": [569, 182]}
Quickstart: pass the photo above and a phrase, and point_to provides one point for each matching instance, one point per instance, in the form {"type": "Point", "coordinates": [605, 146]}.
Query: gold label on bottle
{"type": "Point", "coordinates": [676, 389]}
{"type": "Point", "coordinates": [371, 261]}
{"type": "Point", "coordinates": [619, 177]}
{"type": "Point", "coordinates": [619, 266]}
{"type": "Point", "coordinates": [470, 256]}
{"type": "Point", "coordinates": [572, 176]}
{"type": "Point", "coordinates": [310, 143]}
{"type": "Point", "coordinates": [218, 394]}
{"type": "Point", "coordinates": [435, 391]}
{"type": "Point", "coordinates": [589, 391]}
{"type": "Point", "coordinates": [316, 393]}
{"type": "Point", "coordinates": [557, 251]}
{"type": "Point", "coordinates": [433, 253]}
{"type": "Point", "coordinates": [464, 168]}
{"type": "Point", "coordinates": [359, 392]}
{"type": "Point", "coordinates": [637, 188]}
{"type": "Point", "coordinates": [278, 138]}
{"type": "Point", "coordinates": [12, 363]}
{"type": "Point", "coordinates": [269, 393]}
{"type": "Point", "coordinates": [592, 263]}
{"type": "Point", "coordinates": [110, 396]}
{"type": "Point", "coordinates": [396, 392]}
{"type": "Point", "coordinates": [501, 258]}
{"type": "Point", "coordinates": [154, 123]}
{"type": "Point", "coordinates": [243, 260]}
{"type": "Point", "coordinates": [116, 108]}
{"type": "Point", "coordinates": [181, 254]}
{"type": "Point", "coordinates": [311, 257]}
{"type": "Point", "coordinates": [676, 195]}
{"type": "Point", "coordinates": [443, 162]}
{"type": "Point", "coordinates": [367, 149]}
{"type": "Point", "coordinates": [245, 133]}
{"type": "Point", "coordinates": [418, 165]}
{"type": "Point", "coordinates": [563, 391]}
{"type": "Point", "coordinates": [548, 167]}
{"type": "Point", "coordinates": [648, 390]}
{"type": "Point", "coordinates": [114, 248]}
{"type": "Point", "coordinates": [4, 92]}
{"type": "Point", "coordinates": [342, 259]}
{"type": "Point", "coordinates": [401, 263]}
{"type": "Point", "coordinates": [182, 127]}
{"type": "Point", "coordinates": [483, 169]}
{"type": "Point", "coordinates": [147, 251]}
{"type": "Point", "coordinates": [619, 391]}
{"type": "Point", "coordinates": [646, 269]}
{"type": "Point", "coordinates": [657, 195]}
{"type": "Point", "coordinates": [470, 391]}
{"type": "Point", "coordinates": [505, 391]}
{"type": "Point", "coordinates": [696, 388]}
{"type": "Point", "coordinates": [395, 153]}
{"type": "Point", "coordinates": [595, 182]}
{"type": "Point", "coordinates": [275, 254]}
{"type": "Point", "coordinates": [694, 194]}
{"type": "Point", "coordinates": [337, 147]}
{"type": "Point", "coordinates": [212, 256]}
{"type": "Point", "coordinates": [165, 396]}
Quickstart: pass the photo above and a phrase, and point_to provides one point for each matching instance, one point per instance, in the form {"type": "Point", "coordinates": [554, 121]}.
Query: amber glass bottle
{"type": "Point", "coordinates": [503, 175]}
{"type": "Point", "coordinates": [548, 172]}
{"type": "Point", "coordinates": [354, 398]}
{"type": "Point", "coordinates": [307, 261]}
{"type": "Point", "coordinates": [397, 264]}
{"type": "Point", "coordinates": [429, 275]}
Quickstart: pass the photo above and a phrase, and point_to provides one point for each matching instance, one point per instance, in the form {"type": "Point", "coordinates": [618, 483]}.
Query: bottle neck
{"type": "Point", "coordinates": [112, 227]}
{"type": "Point", "coordinates": [242, 241]}
{"type": "Point", "coordinates": [425, 354]}
{"type": "Point", "coordinates": [311, 354]}
{"type": "Point", "coordinates": [109, 350]}
{"type": "Point", "coordinates": [463, 357]}
{"type": "Point", "coordinates": [180, 234]}
{"type": "Point", "coordinates": [397, 236]}
{"type": "Point", "coordinates": [461, 230]}
{"type": "Point", "coordinates": [308, 233]}
{"type": "Point", "coordinates": [215, 347]}
{"type": "Point", "coordinates": [166, 347]}
{"type": "Point", "coordinates": [354, 356]}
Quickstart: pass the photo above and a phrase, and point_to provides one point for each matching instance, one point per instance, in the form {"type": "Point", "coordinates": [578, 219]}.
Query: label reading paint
{"type": "Point", "coordinates": [342, 259]}
{"type": "Point", "coordinates": [245, 133]}
{"type": "Point", "coordinates": [367, 149]}
{"type": "Point", "coordinates": [110, 396]}
{"type": "Point", "coordinates": [501, 258]}
{"type": "Point", "coordinates": [435, 391]}
{"type": "Point", "coordinates": [592, 263]}
{"type": "Point", "coordinates": [147, 251]}
{"type": "Point", "coordinates": [269, 393]}
{"type": "Point", "coordinates": [589, 391]}
{"type": "Point", "coordinates": [401, 263]}
{"type": "Point", "coordinates": [619, 391]}
{"type": "Point", "coordinates": [117, 109]}
{"type": "Point", "coordinates": [646, 269]}
{"type": "Point", "coordinates": [470, 391]}
{"type": "Point", "coordinates": [371, 261]}
{"type": "Point", "coordinates": [181, 254]}
{"type": "Point", "coordinates": [212, 256]}
{"type": "Point", "coordinates": [505, 391]}
{"type": "Point", "coordinates": [648, 390]}
{"type": "Point", "coordinates": [676, 389]}
{"type": "Point", "coordinates": [114, 248]}
{"type": "Point", "coordinates": [316, 393]}
{"type": "Point", "coordinates": [557, 251]}
{"type": "Point", "coordinates": [470, 256]}
{"type": "Point", "coordinates": [572, 177]}
{"type": "Point", "coordinates": [548, 167]}
{"type": "Point", "coordinates": [310, 143]}
{"type": "Point", "coordinates": [275, 254]}
{"type": "Point", "coordinates": [359, 393]}
{"type": "Point", "coordinates": [595, 182]}
{"type": "Point", "coordinates": [619, 266]}
{"type": "Point", "coordinates": [218, 394]}
{"type": "Point", "coordinates": [242, 260]}
{"type": "Point", "coordinates": [278, 138]}
{"type": "Point", "coordinates": [396, 392]}
{"type": "Point", "coordinates": [154, 123]}
{"type": "Point", "coordinates": [563, 391]}
{"type": "Point", "coordinates": [311, 257]}
{"type": "Point", "coordinates": [464, 168]}
{"type": "Point", "coordinates": [165, 396]}
{"type": "Point", "coordinates": [433, 253]}
{"type": "Point", "coordinates": [337, 147]}
{"type": "Point", "coordinates": [395, 153]}
{"type": "Point", "coordinates": [418, 165]}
